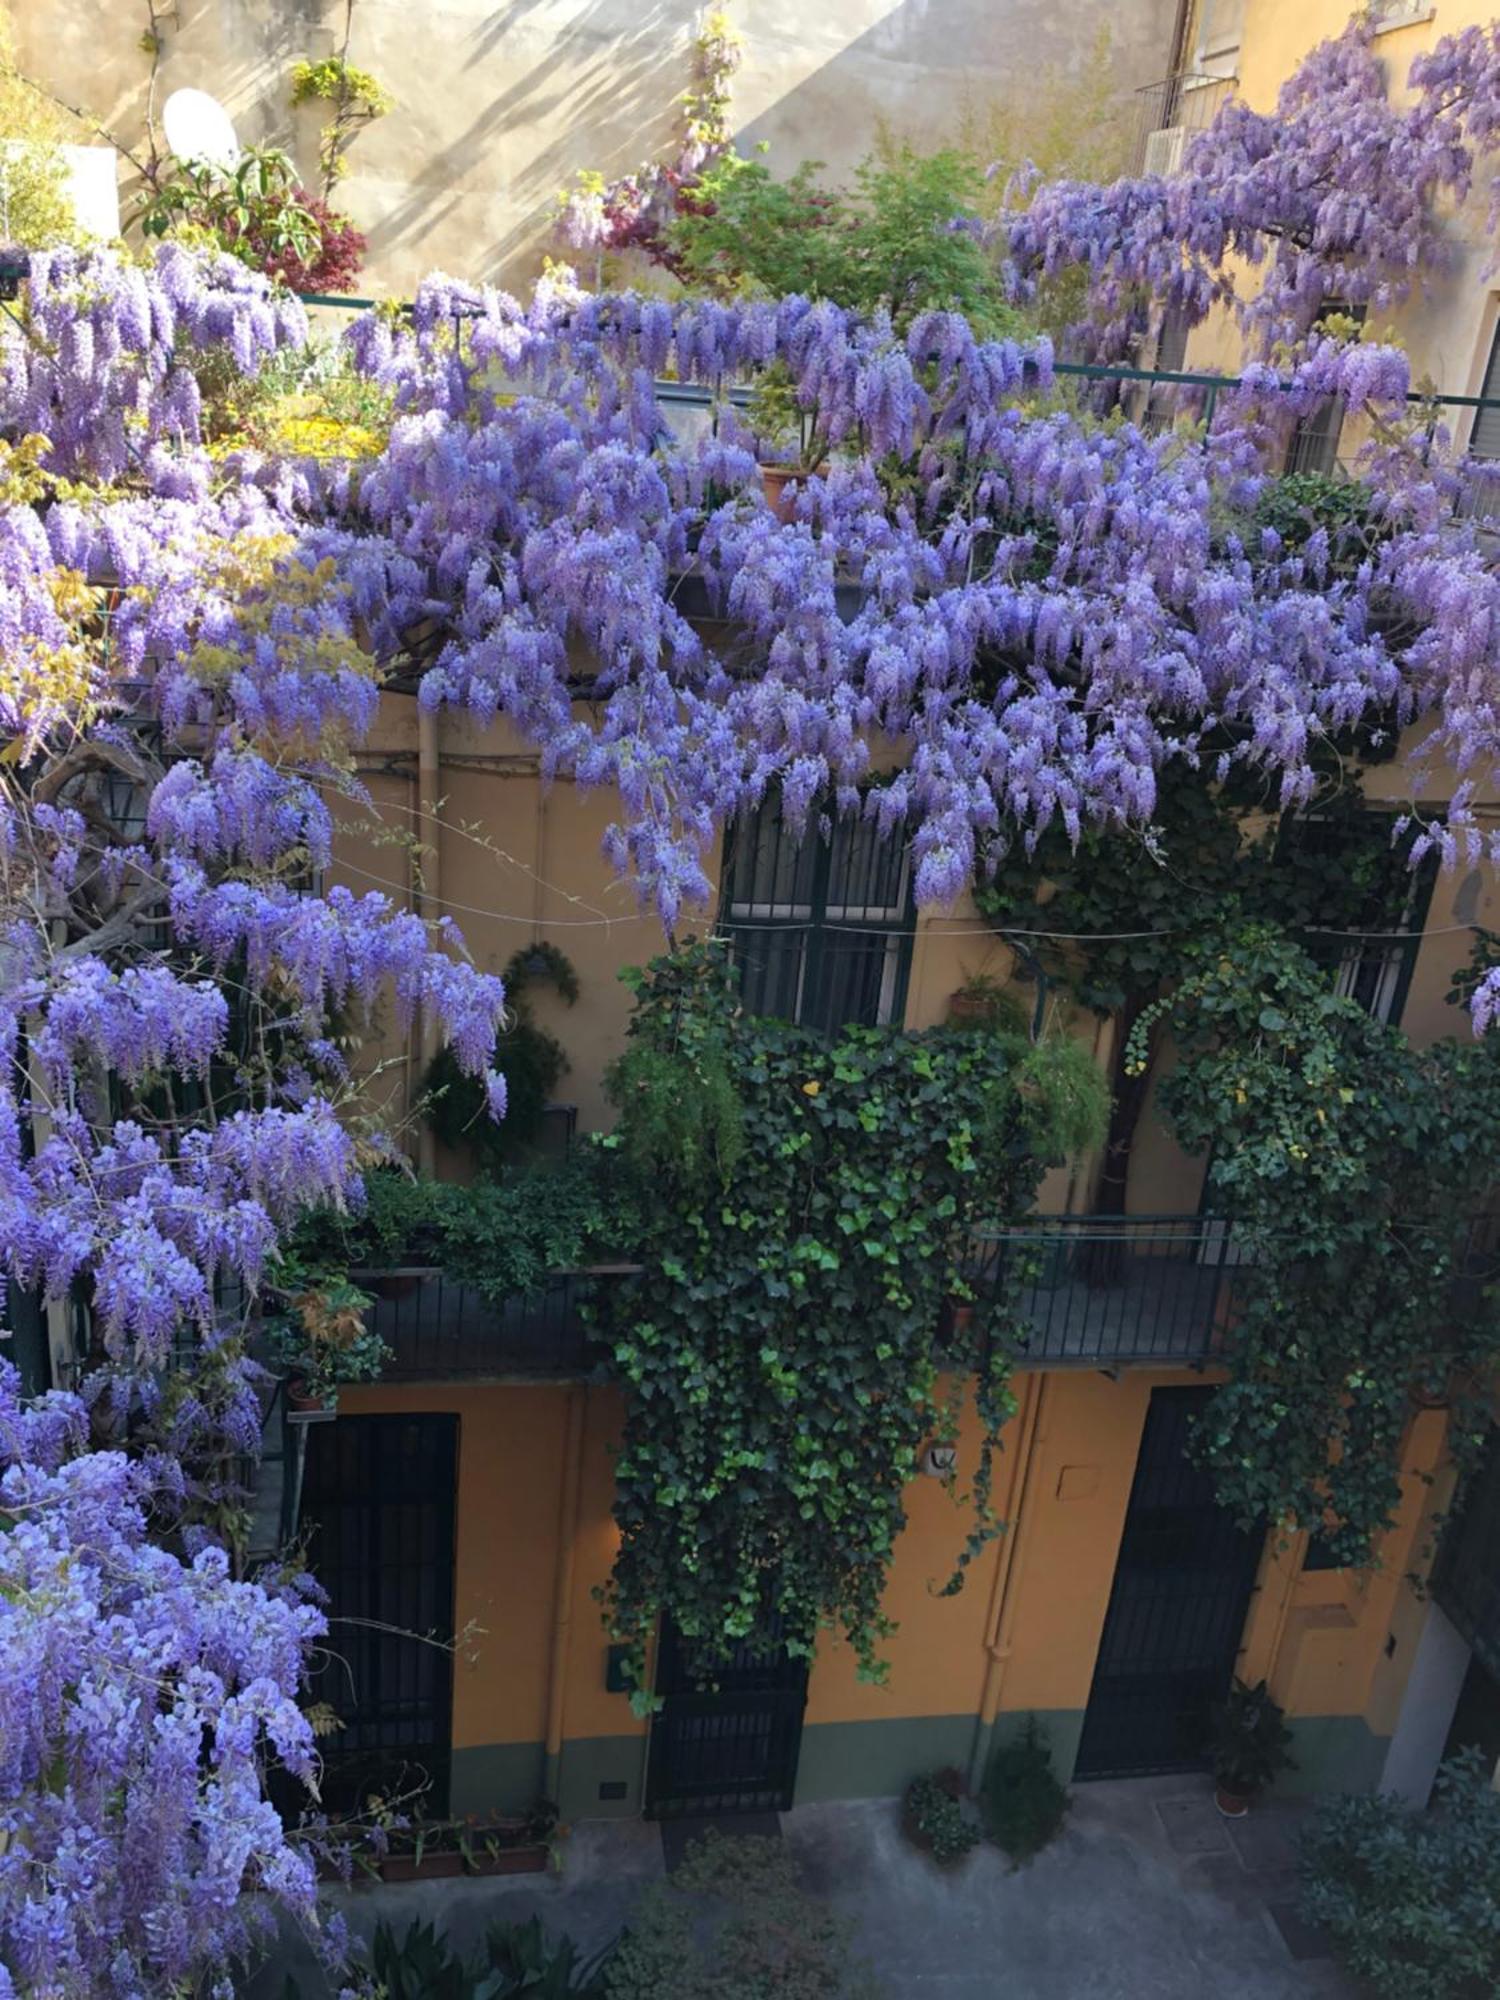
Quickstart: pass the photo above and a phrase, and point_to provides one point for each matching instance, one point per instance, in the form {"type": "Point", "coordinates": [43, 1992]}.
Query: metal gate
{"type": "Point", "coordinates": [1176, 1612]}
{"type": "Point", "coordinates": [726, 1737]}
{"type": "Point", "coordinates": [377, 1497]}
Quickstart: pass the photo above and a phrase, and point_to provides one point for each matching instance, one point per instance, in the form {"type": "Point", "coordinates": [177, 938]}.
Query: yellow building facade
{"type": "Point", "coordinates": [1365, 1667]}
{"type": "Point", "coordinates": [527, 1699]}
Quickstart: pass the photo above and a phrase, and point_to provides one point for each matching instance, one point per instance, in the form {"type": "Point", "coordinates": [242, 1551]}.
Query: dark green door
{"type": "Point", "coordinates": [1176, 1610]}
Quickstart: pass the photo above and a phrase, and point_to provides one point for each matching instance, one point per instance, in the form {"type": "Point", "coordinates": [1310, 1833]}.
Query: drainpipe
{"type": "Point", "coordinates": [428, 901]}
{"type": "Point", "coordinates": [568, 1501]}
{"type": "Point", "coordinates": [1001, 1618]}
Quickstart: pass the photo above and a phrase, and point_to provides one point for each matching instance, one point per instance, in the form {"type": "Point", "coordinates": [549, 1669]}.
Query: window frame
{"type": "Point", "coordinates": [802, 897]}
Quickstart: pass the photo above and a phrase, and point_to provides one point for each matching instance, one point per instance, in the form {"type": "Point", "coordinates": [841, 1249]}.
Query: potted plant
{"type": "Point", "coordinates": [511, 1846]}
{"type": "Point", "coordinates": [1250, 1740]}
{"type": "Point", "coordinates": [786, 450]}
{"type": "Point", "coordinates": [422, 1851]}
{"type": "Point", "coordinates": [933, 1818]}
{"type": "Point", "coordinates": [321, 1340]}
{"type": "Point", "coordinates": [982, 1002]}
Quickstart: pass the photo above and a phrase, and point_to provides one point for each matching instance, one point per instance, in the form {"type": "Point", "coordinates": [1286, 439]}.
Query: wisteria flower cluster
{"type": "Point", "coordinates": [635, 211]}
{"type": "Point", "coordinates": [1331, 198]}
{"type": "Point", "coordinates": [163, 1690]}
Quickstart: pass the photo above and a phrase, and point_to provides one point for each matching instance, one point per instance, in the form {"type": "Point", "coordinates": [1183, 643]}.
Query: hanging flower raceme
{"type": "Point", "coordinates": [164, 1688]}
{"type": "Point", "coordinates": [1330, 198]}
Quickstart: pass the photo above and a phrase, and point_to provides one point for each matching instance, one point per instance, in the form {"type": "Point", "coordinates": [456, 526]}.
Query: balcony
{"type": "Point", "coordinates": [1102, 1291]}
{"type": "Point", "coordinates": [1170, 113]}
{"type": "Point", "coordinates": [438, 1330]}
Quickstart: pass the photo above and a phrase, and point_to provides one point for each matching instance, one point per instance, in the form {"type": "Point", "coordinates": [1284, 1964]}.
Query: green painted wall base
{"type": "Point", "coordinates": [1334, 1753]}
{"type": "Point", "coordinates": [874, 1760]}
{"type": "Point", "coordinates": [496, 1778]}
{"type": "Point", "coordinates": [589, 1762]}
{"type": "Point", "coordinates": [509, 1777]}
{"type": "Point", "coordinates": [866, 1760]}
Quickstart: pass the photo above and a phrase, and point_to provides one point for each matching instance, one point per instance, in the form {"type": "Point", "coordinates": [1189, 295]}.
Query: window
{"type": "Point", "coordinates": [1374, 970]}
{"type": "Point", "coordinates": [821, 929]}
{"type": "Point", "coordinates": [1220, 24]}
{"type": "Point", "coordinates": [1314, 443]}
{"type": "Point", "coordinates": [1163, 401]}
{"type": "Point", "coordinates": [1484, 438]}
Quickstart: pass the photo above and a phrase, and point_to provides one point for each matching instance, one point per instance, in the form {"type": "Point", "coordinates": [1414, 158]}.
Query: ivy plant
{"type": "Point", "coordinates": [1354, 1164]}
{"type": "Point", "coordinates": [780, 1354]}
{"type": "Point", "coordinates": [1116, 917]}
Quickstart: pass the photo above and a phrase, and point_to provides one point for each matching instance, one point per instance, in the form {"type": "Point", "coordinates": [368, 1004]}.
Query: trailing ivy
{"type": "Point", "coordinates": [780, 1356]}
{"type": "Point", "coordinates": [1353, 1165]}
{"type": "Point", "coordinates": [502, 1235]}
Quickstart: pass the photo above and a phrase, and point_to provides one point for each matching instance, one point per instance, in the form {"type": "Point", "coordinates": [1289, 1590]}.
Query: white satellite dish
{"type": "Point", "coordinates": [199, 128]}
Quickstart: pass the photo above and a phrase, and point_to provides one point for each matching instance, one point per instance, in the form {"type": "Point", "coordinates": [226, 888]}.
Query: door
{"type": "Point", "coordinates": [378, 1501]}
{"type": "Point", "coordinates": [1176, 1611]}
{"type": "Point", "coordinates": [725, 1738]}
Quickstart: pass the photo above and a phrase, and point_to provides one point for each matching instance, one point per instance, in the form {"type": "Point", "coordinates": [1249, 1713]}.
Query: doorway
{"type": "Point", "coordinates": [378, 1500]}
{"type": "Point", "coordinates": [1176, 1610]}
{"type": "Point", "coordinates": [727, 1736]}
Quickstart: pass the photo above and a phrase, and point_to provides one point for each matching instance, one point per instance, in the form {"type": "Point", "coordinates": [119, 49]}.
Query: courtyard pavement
{"type": "Point", "coordinates": [1147, 1895]}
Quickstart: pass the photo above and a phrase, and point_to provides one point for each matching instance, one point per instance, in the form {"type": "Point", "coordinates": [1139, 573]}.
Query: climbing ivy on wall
{"type": "Point", "coordinates": [780, 1356]}
{"type": "Point", "coordinates": [1354, 1165]}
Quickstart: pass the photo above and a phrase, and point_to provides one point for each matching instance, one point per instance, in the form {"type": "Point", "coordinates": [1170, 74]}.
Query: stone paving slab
{"type": "Point", "coordinates": [1130, 1903]}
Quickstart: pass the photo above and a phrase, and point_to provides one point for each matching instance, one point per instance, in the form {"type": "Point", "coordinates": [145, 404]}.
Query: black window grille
{"type": "Point", "coordinates": [1374, 963]}
{"type": "Point", "coordinates": [821, 929]}
{"type": "Point", "coordinates": [378, 1506]}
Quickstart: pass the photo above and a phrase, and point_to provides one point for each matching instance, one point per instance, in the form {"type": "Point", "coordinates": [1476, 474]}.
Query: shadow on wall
{"type": "Point", "coordinates": [497, 107]}
{"type": "Point", "coordinates": [924, 65]}
{"type": "Point", "coordinates": [593, 88]}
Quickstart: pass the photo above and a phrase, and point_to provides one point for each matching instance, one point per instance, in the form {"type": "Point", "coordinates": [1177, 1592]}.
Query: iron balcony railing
{"type": "Point", "coordinates": [438, 1329]}
{"type": "Point", "coordinates": [1099, 1290]}
{"type": "Point", "coordinates": [1169, 113]}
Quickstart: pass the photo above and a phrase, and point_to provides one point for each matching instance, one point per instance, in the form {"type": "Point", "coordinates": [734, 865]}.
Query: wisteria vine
{"type": "Point", "coordinates": [984, 613]}
{"type": "Point", "coordinates": [1332, 198]}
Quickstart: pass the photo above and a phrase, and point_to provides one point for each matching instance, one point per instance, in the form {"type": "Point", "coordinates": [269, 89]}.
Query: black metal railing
{"type": "Point", "coordinates": [437, 1329]}
{"type": "Point", "coordinates": [1168, 113]}
{"type": "Point", "coordinates": [1096, 1290]}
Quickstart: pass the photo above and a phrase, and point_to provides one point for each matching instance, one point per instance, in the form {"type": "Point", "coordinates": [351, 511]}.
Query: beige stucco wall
{"type": "Point", "coordinates": [1448, 323]}
{"type": "Point", "coordinates": [497, 106]}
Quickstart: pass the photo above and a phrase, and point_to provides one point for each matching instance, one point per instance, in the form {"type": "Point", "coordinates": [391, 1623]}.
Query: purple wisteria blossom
{"type": "Point", "coordinates": [164, 1690]}
{"type": "Point", "coordinates": [1332, 196]}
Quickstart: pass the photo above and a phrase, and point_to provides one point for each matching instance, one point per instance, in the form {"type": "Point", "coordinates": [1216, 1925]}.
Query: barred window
{"type": "Point", "coordinates": [821, 929]}
{"type": "Point", "coordinates": [1375, 968]}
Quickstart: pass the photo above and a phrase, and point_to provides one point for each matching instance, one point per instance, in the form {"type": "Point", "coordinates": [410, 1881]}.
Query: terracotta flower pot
{"type": "Point", "coordinates": [971, 1006]}
{"type": "Point", "coordinates": [302, 1407]}
{"type": "Point", "coordinates": [774, 481]}
{"type": "Point", "coordinates": [1233, 1805]}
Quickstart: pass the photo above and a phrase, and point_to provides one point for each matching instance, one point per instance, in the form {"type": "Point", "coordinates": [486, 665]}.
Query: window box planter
{"type": "Point", "coordinates": [427, 1867]}
{"type": "Point", "coordinates": [528, 1860]}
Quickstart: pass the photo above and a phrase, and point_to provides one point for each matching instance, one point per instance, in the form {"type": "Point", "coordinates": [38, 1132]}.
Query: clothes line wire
{"type": "Point", "coordinates": [967, 928]}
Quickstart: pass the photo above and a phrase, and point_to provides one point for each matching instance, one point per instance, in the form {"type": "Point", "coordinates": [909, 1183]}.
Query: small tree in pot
{"type": "Point", "coordinates": [1250, 1742]}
